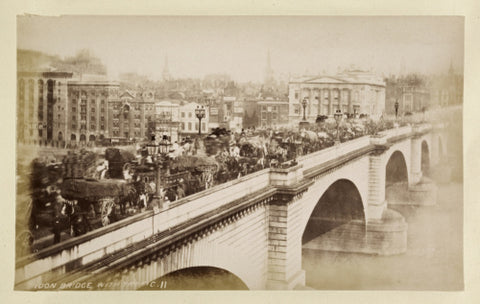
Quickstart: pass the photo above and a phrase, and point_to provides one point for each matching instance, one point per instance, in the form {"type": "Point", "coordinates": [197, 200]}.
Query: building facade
{"type": "Point", "coordinates": [165, 120]}
{"type": "Point", "coordinates": [189, 121]}
{"type": "Point", "coordinates": [88, 109]}
{"type": "Point", "coordinates": [232, 109]}
{"type": "Point", "coordinates": [129, 115]}
{"type": "Point", "coordinates": [42, 107]}
{"type": "Point", "coordinates": [352, 92]}
{"type": "Point", "coordinates": [272, 113]}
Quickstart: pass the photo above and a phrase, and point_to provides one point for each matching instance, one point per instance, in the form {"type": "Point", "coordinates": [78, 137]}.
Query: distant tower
{"type": "Point", "coordinates": [166, 74]}
{"type": "Point", "coordinates": [269, 79]}
{"type": "Point", "coordinates": [450, 70]}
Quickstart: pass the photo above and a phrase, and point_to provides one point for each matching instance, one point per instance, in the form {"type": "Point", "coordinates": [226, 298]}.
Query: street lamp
{"type": "Point", "coordinates": [338, 118]}
{"type": "Point", "coordinates": [304, 104]}
{"type": "Point", "coordinates": [154, 150]}
{"type": "Point", "coordinates": [200, 113]}
{"type": "Point", "coordinates": [396, 109]}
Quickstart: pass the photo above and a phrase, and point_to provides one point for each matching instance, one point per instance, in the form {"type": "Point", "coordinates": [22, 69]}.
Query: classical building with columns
{"type": "Point", "coordinates": [351, 91]}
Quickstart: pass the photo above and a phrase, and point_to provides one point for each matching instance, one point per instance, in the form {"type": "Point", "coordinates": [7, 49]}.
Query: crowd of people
{"type": "Point", "coordinates": [196, 164]}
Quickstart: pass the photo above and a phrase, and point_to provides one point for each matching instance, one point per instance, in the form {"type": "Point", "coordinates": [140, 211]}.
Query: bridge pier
{"type": "Point", "coordinates": [386, 229]}
{"type": "Point", "coordinates": [284, 270]}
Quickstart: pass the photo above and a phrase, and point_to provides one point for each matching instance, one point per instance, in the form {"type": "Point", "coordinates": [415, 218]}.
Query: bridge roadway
{"type": "Point", "coordinates": [251, 227]}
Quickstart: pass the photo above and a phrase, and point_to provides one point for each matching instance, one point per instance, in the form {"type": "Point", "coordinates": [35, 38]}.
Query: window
{"type": "Point", "coordinates": [74, 127]}
{"type": "Point", "coordinates": [325, 94]}
{"type": "Point", "coordinates": [183, 126]}
{"type": "Point", "coordinates": [74, 109]}
{"type": "Point", "coordinates": [183, 114]}
{"type": "Point", "coordinates": [196, 126]}
{"type": "Point", "coordinates": [92, 127]}
{"type": "Point", "coordinates": [189, 126]}
{"type": "Point", "coordinates": [189, 114]}
{"type": "Point", "coordinates": [296, 109]}
{"type": "Point", "coordinates": [102, 127]}
{"type": "Point", "coordinates": [74, 117]}
{"type": "Point", "coordinates": [102, 118]}
{"type": "Point", "coordinates": [296, 94]}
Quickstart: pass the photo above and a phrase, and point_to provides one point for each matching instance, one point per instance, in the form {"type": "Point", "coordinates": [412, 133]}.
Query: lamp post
{"type": "Point", "coordinates": [396, 109]}
{"type": "Point", "coordinates": [304, 105]}
{"type": "Point", "coordinates": [200, 113]}
{"type": "Point", "coordinates": [304, 123]}
{"type": "Point", "coordinates": [159, 153]}
{"type": "Point", "coordinates": [338, 118]}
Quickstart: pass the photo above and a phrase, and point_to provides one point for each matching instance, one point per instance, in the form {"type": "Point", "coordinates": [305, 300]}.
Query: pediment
{"type": "Point", "coordinates": [325, 79]}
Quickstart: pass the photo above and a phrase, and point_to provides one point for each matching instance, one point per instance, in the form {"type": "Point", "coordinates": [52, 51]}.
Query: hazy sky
{"type": "Point", "coordinates": [197, 46]}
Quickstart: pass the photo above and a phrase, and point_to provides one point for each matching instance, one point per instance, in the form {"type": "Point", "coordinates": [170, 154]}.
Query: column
{"type": "Point", "coordinates": [330, 102]}
{"type": "Point", "coordinates": [310, 101]}
{"type": "Point", "coordinates": [350, 105]}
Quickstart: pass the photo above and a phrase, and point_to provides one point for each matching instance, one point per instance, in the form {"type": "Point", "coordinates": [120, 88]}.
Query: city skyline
{"type": "Point", "coordinates": [238, 46]}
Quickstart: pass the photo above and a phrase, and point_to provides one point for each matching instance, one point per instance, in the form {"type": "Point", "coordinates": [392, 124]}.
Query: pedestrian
{"type": "Point", "coordinates": [57, 228]}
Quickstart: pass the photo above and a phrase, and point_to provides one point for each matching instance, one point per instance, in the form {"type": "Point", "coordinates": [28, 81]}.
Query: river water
{"type": "Point", "coordinates": [433, 260]}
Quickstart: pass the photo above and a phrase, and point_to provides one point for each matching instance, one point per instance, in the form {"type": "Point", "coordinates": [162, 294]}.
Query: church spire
{"type": "Point", "coordinates": [166, 73]}
{"type": "Point", "coordinates": [268, 72]}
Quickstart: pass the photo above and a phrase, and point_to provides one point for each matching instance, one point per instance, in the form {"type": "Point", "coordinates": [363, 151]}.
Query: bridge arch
{"type": "Point", "coordinates": [396, 178]}
{"type": "Point", "coordinates": [425, 158]}
{"type": "Point", "coordinates": [197, 278]}
{"type": "Point", "coordinates": [339, 204]}
{"type": "Point", "coordinates": [205, 254]}
{"type": "Point", "coordinates": [396, 169]}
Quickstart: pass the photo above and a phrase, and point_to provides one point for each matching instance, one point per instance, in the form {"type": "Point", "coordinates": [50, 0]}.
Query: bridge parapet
{"type": "Point", "coordinates": [96, 245]}
{"type": "Point", "coordinates": [396, 132]}
{"type": "Point", "coordinates": [323, 156]}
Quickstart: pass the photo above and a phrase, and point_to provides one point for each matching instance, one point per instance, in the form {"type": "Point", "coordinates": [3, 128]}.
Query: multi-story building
{"type": "Point", "coordinates": [232, 110]}
{"type": "Point", "coordinates": [42, 107]}
{"type": "Point", "coordinates": [272, 113]}
{"type": "Point", "coordinates": [87, 114]}
{"type": "Point", "coordinates": [352, 92]}
{"type": "Point", "coordinates": [189, 121]}
{"type": "Point", "coordinates": [446, 89]}
{"type": "Point", "coordinates": [165, 120]}
{"type": "Point", "coordinates": [130, 113]}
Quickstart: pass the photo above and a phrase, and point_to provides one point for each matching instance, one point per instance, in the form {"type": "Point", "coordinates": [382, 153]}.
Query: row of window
{"type": "Point", "coordinates": [326, 95]}
{"type": "Point", "coordinates": [190, 125]}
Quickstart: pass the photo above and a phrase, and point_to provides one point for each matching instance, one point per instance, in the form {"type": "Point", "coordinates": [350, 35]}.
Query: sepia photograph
{"type": "Point", "coordinates": [239, 153]}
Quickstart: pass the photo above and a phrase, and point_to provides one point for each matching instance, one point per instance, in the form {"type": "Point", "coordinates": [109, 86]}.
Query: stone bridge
{"type": "Point", "coordinates": [254, 227]}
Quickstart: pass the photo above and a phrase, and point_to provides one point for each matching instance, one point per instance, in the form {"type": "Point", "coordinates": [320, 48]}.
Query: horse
{"type": "Point", "coordinates": [131, 198]}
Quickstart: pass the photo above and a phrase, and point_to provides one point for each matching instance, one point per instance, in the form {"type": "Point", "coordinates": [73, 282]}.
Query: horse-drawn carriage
{"type": "Point", "coordinates": [100, 202]}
